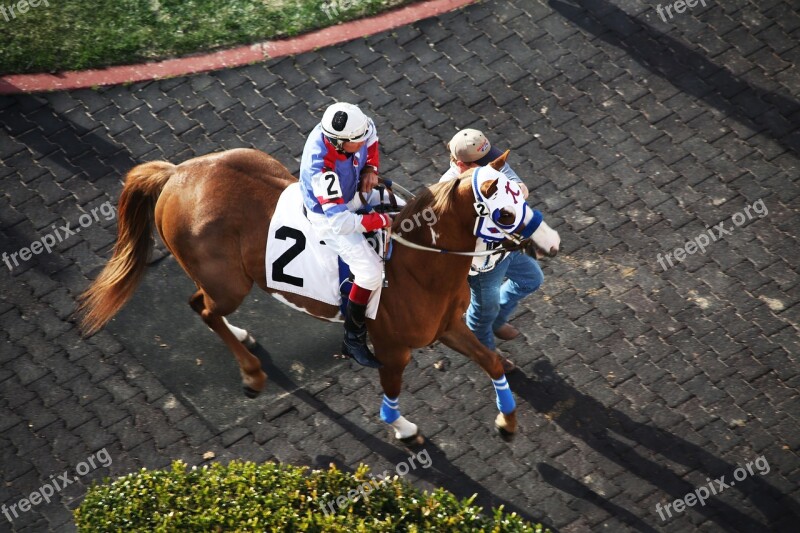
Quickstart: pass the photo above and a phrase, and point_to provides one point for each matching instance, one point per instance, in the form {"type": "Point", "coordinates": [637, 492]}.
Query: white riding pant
{"type": "Point", "coordinates": [353, 248]}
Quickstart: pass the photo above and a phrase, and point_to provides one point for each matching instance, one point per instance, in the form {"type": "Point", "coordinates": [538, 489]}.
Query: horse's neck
{"type": "Point", "coordinates": [440, 272]}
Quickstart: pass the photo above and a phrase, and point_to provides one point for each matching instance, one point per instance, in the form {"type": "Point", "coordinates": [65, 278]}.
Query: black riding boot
{"type": "Point", "coordinates": [355, 336]}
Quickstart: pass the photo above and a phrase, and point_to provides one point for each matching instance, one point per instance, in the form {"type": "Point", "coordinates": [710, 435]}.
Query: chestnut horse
{"type": "Point", "coordinates": [213, 213]}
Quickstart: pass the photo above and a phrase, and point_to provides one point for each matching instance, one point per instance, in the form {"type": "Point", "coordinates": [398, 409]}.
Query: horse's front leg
{"type": "Point", "coordinates": [462, 340]}
{"type": "Point", "coordinates": [394, 362]}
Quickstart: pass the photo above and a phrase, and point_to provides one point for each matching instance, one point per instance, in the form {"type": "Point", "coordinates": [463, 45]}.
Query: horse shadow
{"type": "Point", "coordinates": [441, 473]}
{"type": "Point", "coordinates": [587, 419]}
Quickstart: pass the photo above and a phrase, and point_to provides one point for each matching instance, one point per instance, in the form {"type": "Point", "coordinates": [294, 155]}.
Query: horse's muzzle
{"type": "Point", "coordinates": [538, 253]}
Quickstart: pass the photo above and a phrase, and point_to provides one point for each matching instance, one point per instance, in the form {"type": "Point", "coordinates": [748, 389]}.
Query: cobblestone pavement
{"type": "Point", "coordinates": [636, 383]}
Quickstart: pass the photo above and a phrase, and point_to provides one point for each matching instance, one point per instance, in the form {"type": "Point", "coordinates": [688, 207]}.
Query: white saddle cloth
{"type": "Point", "coordinates": [296, 259]}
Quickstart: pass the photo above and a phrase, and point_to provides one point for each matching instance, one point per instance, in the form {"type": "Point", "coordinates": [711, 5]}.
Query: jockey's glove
{"type": "Point", "coordinates": [375, 221]}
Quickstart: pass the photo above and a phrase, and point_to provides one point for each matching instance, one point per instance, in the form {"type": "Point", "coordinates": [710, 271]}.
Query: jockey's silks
{"type": "Point", "coordinates": [326, 193]}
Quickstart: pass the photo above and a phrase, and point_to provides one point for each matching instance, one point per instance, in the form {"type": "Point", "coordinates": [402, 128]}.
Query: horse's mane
{"type": "Point", "coordinates": [439, 197]}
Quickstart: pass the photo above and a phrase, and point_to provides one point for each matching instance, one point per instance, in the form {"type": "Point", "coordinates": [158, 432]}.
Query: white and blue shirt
{"type": "Point", "coordinates": [329, 179]}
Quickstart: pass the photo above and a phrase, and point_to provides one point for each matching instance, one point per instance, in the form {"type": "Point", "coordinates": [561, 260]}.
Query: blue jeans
{"type": "Point", "coordinates": [492, 300]}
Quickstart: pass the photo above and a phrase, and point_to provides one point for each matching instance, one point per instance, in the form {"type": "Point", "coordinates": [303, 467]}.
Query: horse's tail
{"type": "Point", "coordinates": [122, 274]}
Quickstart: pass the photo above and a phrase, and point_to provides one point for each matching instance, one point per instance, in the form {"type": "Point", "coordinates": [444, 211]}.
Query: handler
{"type": "Point", "coordinates": [492, 300]}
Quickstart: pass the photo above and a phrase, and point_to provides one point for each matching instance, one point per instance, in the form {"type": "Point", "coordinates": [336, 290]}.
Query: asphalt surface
{"type": "Point", "coordinates": [637, 385]}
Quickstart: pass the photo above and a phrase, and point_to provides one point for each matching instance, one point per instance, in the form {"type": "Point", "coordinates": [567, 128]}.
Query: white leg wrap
{"type": "Point", "coordinates": [403, 428]}
{"type": "Point", "coordinates": [239, 333]}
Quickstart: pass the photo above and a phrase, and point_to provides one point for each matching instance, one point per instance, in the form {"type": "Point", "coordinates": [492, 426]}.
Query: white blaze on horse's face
{"type": "Point", "coordinates": [495, 208]}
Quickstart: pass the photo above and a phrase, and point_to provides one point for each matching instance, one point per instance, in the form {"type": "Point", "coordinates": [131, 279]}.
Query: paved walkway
{"type": "Point", "coordinates": [636, 384]}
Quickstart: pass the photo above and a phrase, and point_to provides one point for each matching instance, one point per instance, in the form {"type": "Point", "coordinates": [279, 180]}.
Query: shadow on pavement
{"type": "Point", "coordinates": [690, 72]}
{"type": "Point", "coordinates": [587, 419]}
{"type": "Point", "coordinates": [442, 472]}
{"type": "Point", "coordinates": [565, 483]}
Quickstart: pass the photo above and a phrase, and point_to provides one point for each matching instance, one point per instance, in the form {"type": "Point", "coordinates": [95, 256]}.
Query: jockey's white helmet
{"type": "Point", "coordinates": [345, 122]}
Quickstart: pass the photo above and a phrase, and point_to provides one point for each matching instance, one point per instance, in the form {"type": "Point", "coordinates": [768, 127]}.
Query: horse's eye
{"type": "Point", "coordinates": [504, 217]}
{"type": "Point", "coordinates": [507, 216]}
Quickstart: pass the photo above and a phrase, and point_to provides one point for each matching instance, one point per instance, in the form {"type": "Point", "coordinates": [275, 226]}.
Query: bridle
{"type": "Point", "coordinates": [517, 242]}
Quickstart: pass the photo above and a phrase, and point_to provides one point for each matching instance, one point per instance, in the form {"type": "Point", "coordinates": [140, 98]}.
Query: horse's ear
{"type": "Point", "coordinates": [488, 188]}
{"type": "Point", "coordinates": [500, 162]}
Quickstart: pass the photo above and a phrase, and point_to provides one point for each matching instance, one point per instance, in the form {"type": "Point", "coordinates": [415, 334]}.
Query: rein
{"type": "Point", "coordinates": [502, 249]}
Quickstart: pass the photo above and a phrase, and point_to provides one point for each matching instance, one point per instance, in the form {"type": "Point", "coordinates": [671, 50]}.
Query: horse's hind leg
{"type": "Point", "coordinates": [196, 302]}
{"type": "Point", "coordinates": [212, 312]}
{"type": "Point", "coordinates": [462, 340]}
{"type": "Point", "coordinates": [241, 334]}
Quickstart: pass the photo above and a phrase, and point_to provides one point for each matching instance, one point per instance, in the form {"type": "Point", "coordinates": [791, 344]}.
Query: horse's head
{"type": "Point", "coordinates": [484, 198]}
{"type": "Point", "coordinates": [503, 214]}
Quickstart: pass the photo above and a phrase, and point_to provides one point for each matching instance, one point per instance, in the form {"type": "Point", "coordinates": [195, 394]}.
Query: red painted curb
{"type": "Point", "coordinates": [234, 57]}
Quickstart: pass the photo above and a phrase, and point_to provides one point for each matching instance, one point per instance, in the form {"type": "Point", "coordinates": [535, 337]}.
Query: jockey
{"type": "Point", "coordinates": [341, 157]}
{"type": "Point", "coordinates": [497, 282]}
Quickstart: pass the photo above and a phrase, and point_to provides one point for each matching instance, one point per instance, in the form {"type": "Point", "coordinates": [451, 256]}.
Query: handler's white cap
{"type": "Point", "coordinates": [472, 146]}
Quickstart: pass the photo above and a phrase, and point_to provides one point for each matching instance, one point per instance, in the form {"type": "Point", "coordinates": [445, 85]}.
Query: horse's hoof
{"type": "Point", "coordinates": [414, 441]}
{"type": "Point", "coordinates": [508, 365]}
{"type": "Point", "coordinates": [250, 341]}
{"type": "Point", "coordinates": [250, 392]}
{"type": "Point", "coordinates": [505, 434]}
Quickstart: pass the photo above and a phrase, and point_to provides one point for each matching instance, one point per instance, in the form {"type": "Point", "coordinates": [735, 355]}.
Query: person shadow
{"type": "Point", "coordinates": [587, 419]}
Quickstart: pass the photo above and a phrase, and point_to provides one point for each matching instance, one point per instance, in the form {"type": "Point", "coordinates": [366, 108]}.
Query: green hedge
{"type": "Point", "coordinates": [244, 496]}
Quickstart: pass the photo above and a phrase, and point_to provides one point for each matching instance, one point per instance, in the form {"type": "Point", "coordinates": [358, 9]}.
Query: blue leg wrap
{"type": "Point", "coordinates": [505, 400]}
{"type": "Point", "coordinates": [390, 409]}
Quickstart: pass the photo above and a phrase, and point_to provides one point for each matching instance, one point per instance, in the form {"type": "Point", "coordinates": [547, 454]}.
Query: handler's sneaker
{"type": "Point", "coordinates": [506, 332]}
